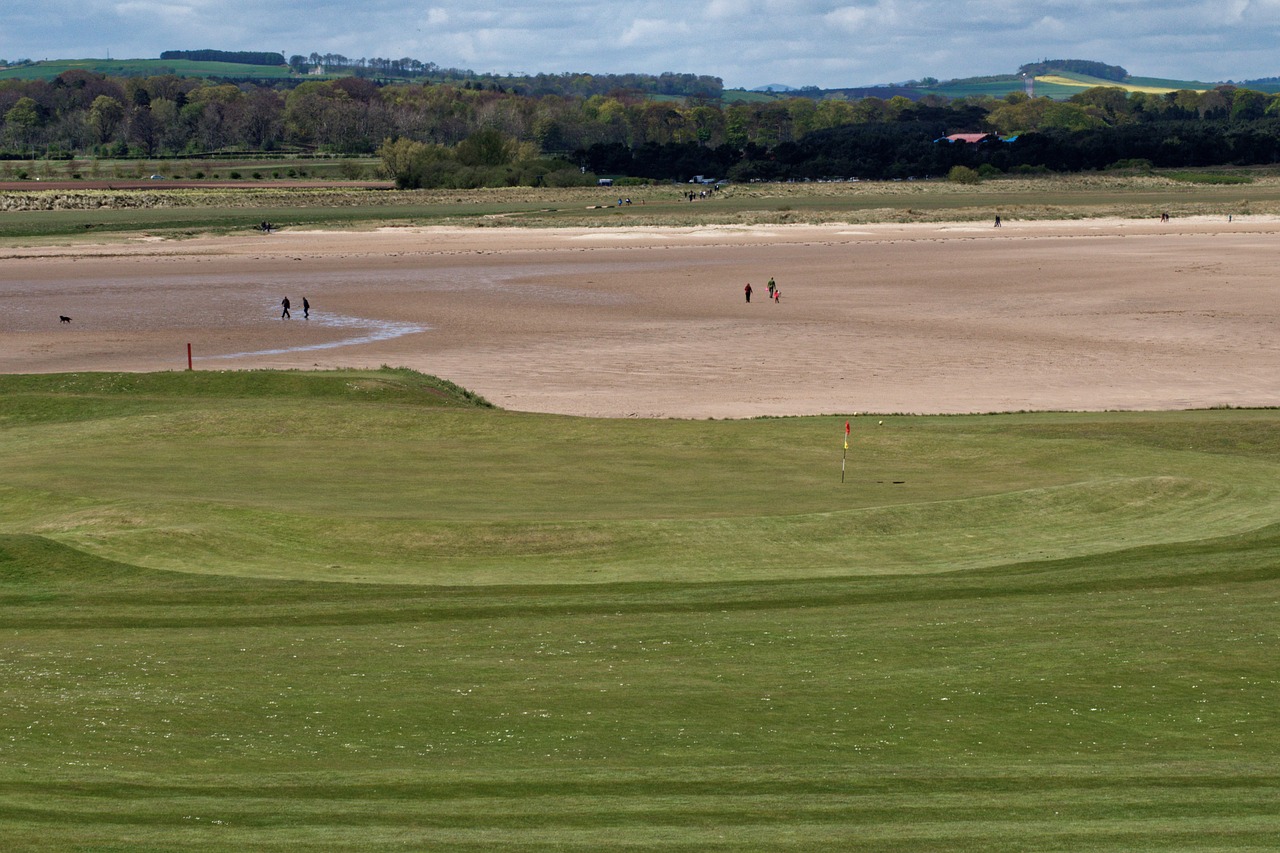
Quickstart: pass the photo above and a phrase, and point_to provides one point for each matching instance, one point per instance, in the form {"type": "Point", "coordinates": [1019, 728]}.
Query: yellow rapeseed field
{"type": "Point", "coordinates": [1067, 81]}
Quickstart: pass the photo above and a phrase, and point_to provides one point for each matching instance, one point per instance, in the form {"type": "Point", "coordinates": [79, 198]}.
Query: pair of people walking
{"type": "Point", "coordinates": [775, 293]}
{"type": "Point", "coordinates": [306, 309]}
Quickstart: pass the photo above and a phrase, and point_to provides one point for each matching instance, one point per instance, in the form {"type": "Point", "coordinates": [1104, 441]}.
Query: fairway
{"type": "Point", "coordinates": [362, 609]}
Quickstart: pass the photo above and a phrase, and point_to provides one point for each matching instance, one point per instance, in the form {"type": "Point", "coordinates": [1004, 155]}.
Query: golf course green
{"type": "Point", "coordinates": [366, 610]}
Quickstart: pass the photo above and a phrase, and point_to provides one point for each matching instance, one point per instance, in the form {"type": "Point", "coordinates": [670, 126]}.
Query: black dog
{"type": "Point", "coordinates": [62, 318]}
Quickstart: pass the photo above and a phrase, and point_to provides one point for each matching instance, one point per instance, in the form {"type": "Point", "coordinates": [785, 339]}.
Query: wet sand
{"type": "Point", "coordinates": [1081, 315]}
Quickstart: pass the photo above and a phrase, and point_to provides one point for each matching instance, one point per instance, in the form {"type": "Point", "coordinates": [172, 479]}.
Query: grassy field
{"type": "Point", "coordinates": [49, 69]}
{"type": "Point", "coordinates": [72, 214]}
{"type": "Point", "coordinates": [998, 88]}
{"type": "Point", "coordinates": [360, 610]}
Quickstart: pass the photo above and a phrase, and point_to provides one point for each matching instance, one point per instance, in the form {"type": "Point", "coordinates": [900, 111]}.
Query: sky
{"type": "Point", "coordinates": [746, 43]}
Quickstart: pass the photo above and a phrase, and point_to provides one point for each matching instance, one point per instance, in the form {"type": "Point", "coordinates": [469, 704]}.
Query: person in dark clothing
{"type": "Point", "coordinates": [747, 291]}
{"type": "Point", "coordinates": [284, 315]}
{"type": "Point", "coordinates": [306, 309]}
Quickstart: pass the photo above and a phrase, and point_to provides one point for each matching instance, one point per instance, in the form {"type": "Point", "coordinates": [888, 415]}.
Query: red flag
{"type": "Point", "coordinates": [846, 427]}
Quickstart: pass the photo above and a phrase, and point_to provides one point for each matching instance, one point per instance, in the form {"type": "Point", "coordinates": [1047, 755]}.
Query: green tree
{"type": "Point", "coordinates": [1247, 105]}
{"type": "Point", "coordinates": [105, 116]}
{"type": "Point", "coordinates": [309, 111]}
{"type": "Point", "coordinates": [869, 110]}
{"type": "Point", "coordinates": [1216, 103]}
{"type": "Point", "coordinates": [25, 113]}
{"type": "Point", "coordinates": [1065, 116]}
{"type": "Point", "coordinates": [833, 112]}
{"type": "Point", "coordinates": [260, 121]}
{"type": "Point", "coordinates": [898, 105]}
{"type": "Point", "coordinates": [803, 113]}
{"type": "Point", "coordinates": [485, 148]}
{"type": "Point", "coordinates": [1110, 103]}
{"type": "Point", "coordinates": [707, 125]}
{"type": "Point", "coordinates": [23, 120]}
{"type": "Point", "coordinates": [414, 165]}
{"type": "Point", "coordinates": [173, 131]}
{"type": "Point", "coordinates": [737, 125]}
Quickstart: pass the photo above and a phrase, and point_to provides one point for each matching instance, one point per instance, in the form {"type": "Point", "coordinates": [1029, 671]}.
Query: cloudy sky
{"type": "Point", "coordinates": [747, 43]}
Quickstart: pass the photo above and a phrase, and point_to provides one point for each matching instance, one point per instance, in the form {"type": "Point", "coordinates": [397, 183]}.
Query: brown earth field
{"type": "Point", "coordinates": [650, 322]}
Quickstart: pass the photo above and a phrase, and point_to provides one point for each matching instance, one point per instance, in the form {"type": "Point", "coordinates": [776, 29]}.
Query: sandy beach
{"type": "Point", "coordinates": [1079, 315]}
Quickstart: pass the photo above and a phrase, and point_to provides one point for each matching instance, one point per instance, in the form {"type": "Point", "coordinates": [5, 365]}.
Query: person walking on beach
{"type": "Point", "coordinates": [747, 290]}
{"type": "Point", "coordinates": [771, 287]}
{"type": "Point", "coordinates": [284, 315]}
{"type": "Point", "coordinates": [306, 309]}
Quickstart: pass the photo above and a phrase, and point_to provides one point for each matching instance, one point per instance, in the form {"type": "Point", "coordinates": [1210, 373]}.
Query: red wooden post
{"type": "Point", "coordinates": [188, 356]}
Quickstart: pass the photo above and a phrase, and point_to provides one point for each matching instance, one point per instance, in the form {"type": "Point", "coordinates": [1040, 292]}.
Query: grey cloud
{"type": "Point", "coordinates": [746, 42]}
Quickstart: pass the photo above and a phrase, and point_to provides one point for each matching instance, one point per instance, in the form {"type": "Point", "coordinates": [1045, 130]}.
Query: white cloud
{"type": "Point", "coordinates": [861, 19]}
{"type": "Point", "coordinates": [646, 31]}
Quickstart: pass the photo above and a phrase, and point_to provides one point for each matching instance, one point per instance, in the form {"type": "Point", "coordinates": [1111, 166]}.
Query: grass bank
{"type": "Point", "coordinates": [67, 214]}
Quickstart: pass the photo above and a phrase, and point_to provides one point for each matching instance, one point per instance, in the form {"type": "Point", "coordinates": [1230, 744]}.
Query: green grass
{"type": "Point", "coordinates": [744, 96]}
{"type": "Point", "coordinates": [1165, 83]}
{"type": "Point", "coordinates": [1210, 178]}
{"type": "Point", "coordinates": [357, 610]}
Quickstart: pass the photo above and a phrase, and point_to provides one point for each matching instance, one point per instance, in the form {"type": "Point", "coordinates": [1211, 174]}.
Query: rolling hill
{"type": "Point", "coordinates": [1060, 84]}
{"type": "Point", "coordinates": [49, 69]}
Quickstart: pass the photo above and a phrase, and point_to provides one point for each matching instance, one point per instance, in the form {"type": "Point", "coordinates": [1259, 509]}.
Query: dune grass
{"type": "Point", "coordinates": [359, 609]}
{"type": "Point", "coordinates": [67, 215]}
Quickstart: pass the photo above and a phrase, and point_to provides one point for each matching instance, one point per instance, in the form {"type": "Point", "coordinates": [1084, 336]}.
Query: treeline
{"type": "Point", "coordinates": [239, 57]}
{"type": "Point", "coordinates": [375, 67]}
{"type": "Point", "coordinates": [474, 133]}
{"type": "Point", "coordinates": [568, 84]}
{"type": "Point", "coordinates": [911, 149]}
{"type": "Point", "coordinates": [584, 85]}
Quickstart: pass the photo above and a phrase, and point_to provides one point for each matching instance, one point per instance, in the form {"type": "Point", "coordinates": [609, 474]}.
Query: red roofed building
{"type": "Point", "coordinates": [972, 138]}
